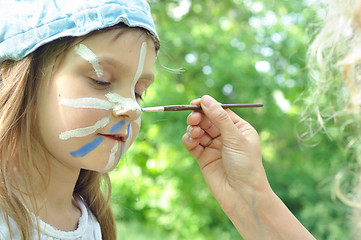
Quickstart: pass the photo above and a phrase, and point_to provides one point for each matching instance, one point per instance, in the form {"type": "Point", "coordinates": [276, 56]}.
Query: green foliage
{"type": "Point", "coordinates": [238, 52]}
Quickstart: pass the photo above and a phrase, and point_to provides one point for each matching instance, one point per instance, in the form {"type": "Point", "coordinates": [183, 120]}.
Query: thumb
{"type": "Point", "coordinates": [217, 115]}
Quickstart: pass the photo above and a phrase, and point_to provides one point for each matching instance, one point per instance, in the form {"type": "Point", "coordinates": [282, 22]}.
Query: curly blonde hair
{"type": "Point", "coordinates": [334, 60]}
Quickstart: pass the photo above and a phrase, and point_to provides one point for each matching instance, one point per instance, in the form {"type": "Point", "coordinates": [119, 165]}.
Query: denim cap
{"type": "Point", "coordinates": [25, 25]}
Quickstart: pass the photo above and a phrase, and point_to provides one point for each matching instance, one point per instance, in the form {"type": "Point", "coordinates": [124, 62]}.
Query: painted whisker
{"type": "Point", "coordinates": [82, 132]}
{"type": "Point", "coordinates": [94, 103]}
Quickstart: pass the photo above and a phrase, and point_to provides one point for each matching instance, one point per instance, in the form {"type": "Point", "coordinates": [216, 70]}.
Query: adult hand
{"type": "Point", "coordinates": [228, 152]}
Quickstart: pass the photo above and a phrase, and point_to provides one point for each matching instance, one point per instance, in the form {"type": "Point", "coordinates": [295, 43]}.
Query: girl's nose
{"type": "Point", "coordinates": [131, 110]}
{"type": "Point", "coordinates": [128, 107]}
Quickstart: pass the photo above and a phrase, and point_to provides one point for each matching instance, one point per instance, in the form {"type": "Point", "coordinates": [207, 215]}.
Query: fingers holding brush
{"type": "Point", "coordinates": [225, 146]}
{"type": "Point", "coordinates": [202, 121]}
{"type": "Point", "coordinates": [201, 137]}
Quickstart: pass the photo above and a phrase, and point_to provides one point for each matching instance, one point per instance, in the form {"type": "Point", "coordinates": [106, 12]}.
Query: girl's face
{"type": "Point", "coordinates": [89, 112]}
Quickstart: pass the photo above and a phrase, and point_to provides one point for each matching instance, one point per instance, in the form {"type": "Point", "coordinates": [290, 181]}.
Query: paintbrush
{"type": "Point", "coordinates": [196, 107]}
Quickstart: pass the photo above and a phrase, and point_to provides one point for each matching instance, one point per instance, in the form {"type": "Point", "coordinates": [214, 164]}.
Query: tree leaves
{"type": "Point", "coordinates": [238, 52]}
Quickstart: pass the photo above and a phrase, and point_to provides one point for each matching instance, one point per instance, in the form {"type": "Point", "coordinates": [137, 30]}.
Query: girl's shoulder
{"type": "Point", "coordinates": [88, 227]}
{"type": "Point", "coordinates": [7, 223]}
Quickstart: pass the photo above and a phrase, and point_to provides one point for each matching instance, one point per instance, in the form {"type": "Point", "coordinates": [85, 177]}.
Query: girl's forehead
{"type": "Point", "coordinates": [124, 36]}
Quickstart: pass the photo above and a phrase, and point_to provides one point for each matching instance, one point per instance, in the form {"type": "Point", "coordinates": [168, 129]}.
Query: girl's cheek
{"type": "Point", "coordinates": [79, 118]}
{"type": "Point", "coordinates": [132, 132]}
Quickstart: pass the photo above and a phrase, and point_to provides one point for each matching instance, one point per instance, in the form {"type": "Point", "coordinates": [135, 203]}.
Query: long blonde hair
{"type": "Point", "coordinates": [334, 60]}
{"type": "Point", "coordinates": [19, 134]}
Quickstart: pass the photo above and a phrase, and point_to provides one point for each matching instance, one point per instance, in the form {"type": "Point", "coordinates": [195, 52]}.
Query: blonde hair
{"type": "Point", "coordinates": [334, 60]}
{"type": "Point", "coordinates": [19, 134]}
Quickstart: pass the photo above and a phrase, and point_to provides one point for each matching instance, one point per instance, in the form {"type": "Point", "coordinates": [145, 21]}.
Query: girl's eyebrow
{"type": "Point", "coordinates": [118, 65]}
{"type": "Point", "coordinates": [111, 61]}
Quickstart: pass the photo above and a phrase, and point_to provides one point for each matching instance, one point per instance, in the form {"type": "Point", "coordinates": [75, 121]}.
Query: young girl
{"type": "Point", "coordinates": [72, 76]}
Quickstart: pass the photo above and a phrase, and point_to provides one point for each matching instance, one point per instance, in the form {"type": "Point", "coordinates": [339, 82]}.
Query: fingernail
{"type": "Point", "coordinates": [189, 138]}
{"type": "Point", "coordinates": [207, 101]}
{"type": "Point", "coordinates": [189, 129]}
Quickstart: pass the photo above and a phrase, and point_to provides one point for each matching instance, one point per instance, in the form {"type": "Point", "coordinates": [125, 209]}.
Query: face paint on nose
{"type": "Point", "coordinates": [123, 105]}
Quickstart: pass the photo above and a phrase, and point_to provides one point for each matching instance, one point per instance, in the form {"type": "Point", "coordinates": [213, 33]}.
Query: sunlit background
{"type": "Point", "coordinates": [239, 51]}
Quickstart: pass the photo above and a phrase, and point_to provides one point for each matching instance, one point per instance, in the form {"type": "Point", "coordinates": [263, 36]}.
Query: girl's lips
{"type": "Point", "coordinates": [117, 137]}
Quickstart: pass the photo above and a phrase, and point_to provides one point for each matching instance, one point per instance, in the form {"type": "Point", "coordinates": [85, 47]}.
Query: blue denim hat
{"type": "Point", "coordinates": [25, 25]}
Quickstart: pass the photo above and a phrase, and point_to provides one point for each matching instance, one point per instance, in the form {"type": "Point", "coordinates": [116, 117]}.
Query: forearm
{"type": "Point", "coordinates": [264, 216]}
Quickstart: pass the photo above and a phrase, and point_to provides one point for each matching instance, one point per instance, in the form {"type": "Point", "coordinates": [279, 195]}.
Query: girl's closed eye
{"type": "Point", "coordinates": [99, 84]}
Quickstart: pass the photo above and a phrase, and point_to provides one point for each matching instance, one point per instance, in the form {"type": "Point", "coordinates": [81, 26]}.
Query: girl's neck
{"type": "Point", "coordinates": [50, 188]}
{"type": "Point", "coordinates": [52, 200]}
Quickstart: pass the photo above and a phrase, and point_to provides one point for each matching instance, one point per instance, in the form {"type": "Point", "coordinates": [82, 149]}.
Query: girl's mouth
{"type": "Point", "coordinates": [115, 137]}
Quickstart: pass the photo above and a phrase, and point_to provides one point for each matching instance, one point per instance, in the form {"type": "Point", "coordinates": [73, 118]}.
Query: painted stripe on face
{"type": "Point", "coordinates": [84, 150]}
{"type": "Point", "coordinates": [129, 136]}
{"type": "Point", "coordinates": [82, 132]}
{"type": "Point", "coordinates": [122, 104]}
{"type": "Point", "coordinates": [119, 104]}
{"type": "Point", "coordinates": [143, 53]}
{"type": "Point", "coordinates": [94, 103]}
{"type": "Point", "coordinates": [87, 54]}
{"type": "Point", "coordinates": [118, 126]}
{"type": "Point", "coordinates": [121, 152]}
{"type": "Point", "coordinates": [113, 151]}
{"type": "Point", "coordinates": [128, 130]}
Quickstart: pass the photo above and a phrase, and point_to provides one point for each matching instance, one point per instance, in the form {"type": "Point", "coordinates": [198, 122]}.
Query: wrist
{"type": "Point", "coordinates": [260, 214]}
{"type": "Point", "coordinates": [249, 196]}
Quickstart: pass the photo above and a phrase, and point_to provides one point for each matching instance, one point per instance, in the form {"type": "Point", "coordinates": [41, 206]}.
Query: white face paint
{"type": "Point", "coordinates": [123, 105]}
{"type": "Point", "coordinates": [94, 103]}
{"type": "Point", "coordinates": [82, 132]}
{"type": "Point", "coordinates": [111, 160]}
{"type": "Point", "coordinates": [138, 73]}
{"type": "Point", "coordinates": [87, 54]}
{"type": "Point", "coordinates": [142, 55]}
{"type": "Point", "coordinates": [73, 99]}
{"type": "Point", "coordinates": [118, 104]}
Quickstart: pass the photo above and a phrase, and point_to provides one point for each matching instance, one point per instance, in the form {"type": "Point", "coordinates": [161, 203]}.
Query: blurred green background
{"type": "Point", "coordinates": [238, 51]}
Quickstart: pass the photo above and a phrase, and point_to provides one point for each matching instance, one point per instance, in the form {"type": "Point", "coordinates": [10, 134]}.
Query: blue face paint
{"type": "Point", "coordinates": [84, 150]}
{"type": "Point", "coordinates": [128, 129]}
{"type": "Point", "coordinates": [118, 126]}
{"type": "Point", "coordinates": [121, 152]}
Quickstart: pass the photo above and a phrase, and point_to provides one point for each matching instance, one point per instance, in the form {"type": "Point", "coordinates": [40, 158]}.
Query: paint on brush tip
{"type": "Point", "coordinates": [87, 54]}
{"type": "Point", "coordinates": [153, 109]}
{"type": "Point", "coordinates": [82, 132]}
{"type": "Point", "coordinates": [94, 103]}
